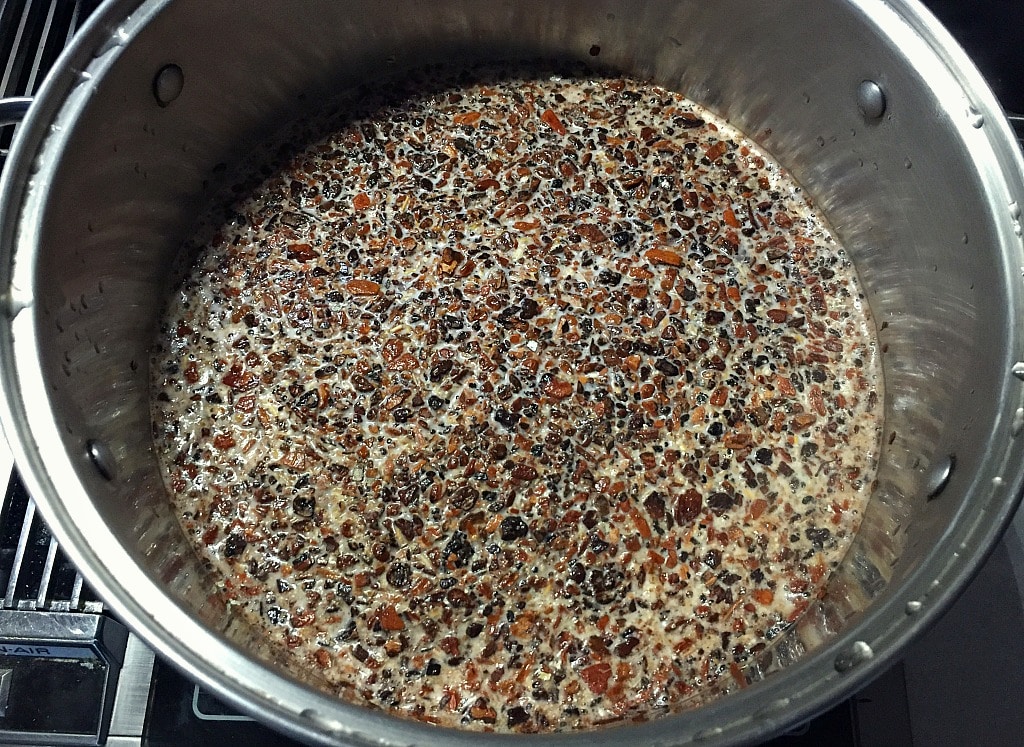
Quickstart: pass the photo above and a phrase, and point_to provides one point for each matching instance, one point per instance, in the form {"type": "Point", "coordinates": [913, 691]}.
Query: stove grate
{"type": "Point", "coordinates": [32, 35]}
{"type": "Point", "coordinates": [34, 572]}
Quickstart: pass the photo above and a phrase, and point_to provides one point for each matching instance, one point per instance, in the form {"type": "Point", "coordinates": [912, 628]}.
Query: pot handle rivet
{"type": "Point", "coordinates": [168, 83]}
{"type": "Point", "coordinates": [871, 100]}
{"type": "Point", "coordinates": [101, 457]}
{"type": "Point", "coordinates": [940, 476]}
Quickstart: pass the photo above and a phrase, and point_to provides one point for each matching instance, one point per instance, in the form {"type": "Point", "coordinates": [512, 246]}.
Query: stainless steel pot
{"type": "Point", "coordinates": [869, 103]}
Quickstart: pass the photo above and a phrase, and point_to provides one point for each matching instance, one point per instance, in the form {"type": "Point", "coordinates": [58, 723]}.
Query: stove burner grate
{"type": "Point", "coordinates": [34, 572]}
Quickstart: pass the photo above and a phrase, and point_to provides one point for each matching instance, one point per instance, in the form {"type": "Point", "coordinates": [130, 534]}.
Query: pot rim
{"type": "Point", "coordinates": [796, 693]}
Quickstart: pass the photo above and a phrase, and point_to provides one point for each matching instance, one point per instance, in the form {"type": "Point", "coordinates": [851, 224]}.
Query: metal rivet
{"type": "Point", "coordinates": [871, 99]}
{"type": "Point", "coordinates": [168, 83]}
{"type": "Point", "coordinates": [101, 459]}
{"type": "Point", "coordinates": [859, 653]}
{"type": "Point", "coordinates": [1018, 370]}
{"type": "Point", "coordinates": [940, 476]}
{"type": "Point", "coordinates": [913, 607]}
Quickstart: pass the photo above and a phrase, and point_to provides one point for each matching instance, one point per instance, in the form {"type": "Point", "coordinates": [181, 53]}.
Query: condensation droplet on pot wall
{"type": "Point", "coordinates": [1018, 422]}
{"type": "Point", "coordinates": [14, 303]}
{"type": "Point", "coordinates": [858, 653]}
{"type": "Point", "coordinates": [321, 722]}
{"type": "Point", "coordinates": [708, 734]}
{"type": "Point", "coordinates": [774, 709]}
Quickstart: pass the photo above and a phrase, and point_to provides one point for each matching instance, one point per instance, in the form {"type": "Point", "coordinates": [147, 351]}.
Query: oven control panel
{"type": "Point", "coordinates": [58, 676]}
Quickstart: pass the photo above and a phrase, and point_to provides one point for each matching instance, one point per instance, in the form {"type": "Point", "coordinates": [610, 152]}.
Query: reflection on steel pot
{"type": "Point", "coordinates": [13, 110]}
{"type": "Point", "coordinates": [869, 104]}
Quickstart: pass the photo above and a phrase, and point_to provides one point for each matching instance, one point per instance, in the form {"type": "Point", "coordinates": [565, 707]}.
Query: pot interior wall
{"type": "Point", "coordinates": [905, 194]}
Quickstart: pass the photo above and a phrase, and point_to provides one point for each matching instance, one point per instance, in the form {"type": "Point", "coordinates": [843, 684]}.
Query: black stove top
{"type": "Point", "coordinates": [990, 32]}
